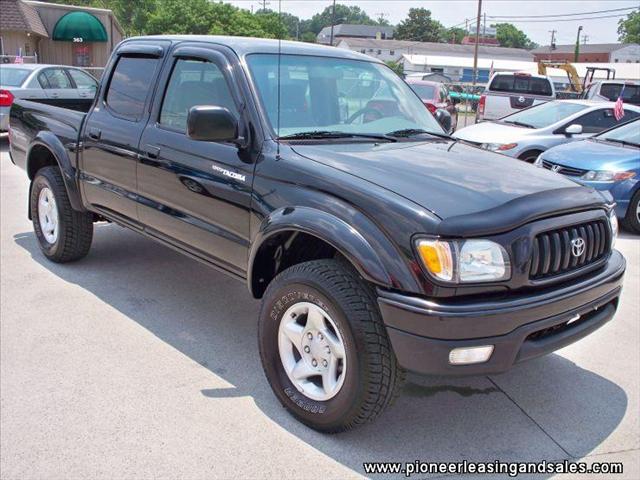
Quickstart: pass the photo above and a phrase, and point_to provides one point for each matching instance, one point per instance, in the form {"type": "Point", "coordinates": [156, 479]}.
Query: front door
{"type": "Point", "coordinates": [112, 133]}
{"type": "Point", "coordinates": [196, 194]}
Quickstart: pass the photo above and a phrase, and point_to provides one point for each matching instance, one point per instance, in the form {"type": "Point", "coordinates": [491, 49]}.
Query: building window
{"type": "Point", "coordinates": [370, 50]}
{"type": "Point", "coordinates": [379, 51]}
{"type": "Point", "coordinates": [364, 50]}
{"type": "Point", "coordinates": [616, 60]}
{"type": "Point", "coordinates": [27, 50]}
{"type": "Point", "coordinates": [392, 52]}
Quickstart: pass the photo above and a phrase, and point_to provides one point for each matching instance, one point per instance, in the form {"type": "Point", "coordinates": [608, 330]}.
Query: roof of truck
{"type": "Point", "coordinates": [248, 45]}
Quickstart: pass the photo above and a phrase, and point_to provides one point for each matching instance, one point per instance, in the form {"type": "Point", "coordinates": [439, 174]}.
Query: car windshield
{"type": "Point", "coordinates": [13, 77]}
{"type": "Point", "coordinates": [336, 96]}
{"type": "Point", "coordinates": [423, 91]}
{"type": "Point", "coordinates": [544, 114]}
{"type": "Point", "coordinates": [628, 133]}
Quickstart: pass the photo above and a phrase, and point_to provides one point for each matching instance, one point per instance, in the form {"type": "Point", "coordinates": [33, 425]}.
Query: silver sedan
{"type": "Point", "coordinates": [62, 85]}
{"type": "Point", "coordinates": [528, 133]}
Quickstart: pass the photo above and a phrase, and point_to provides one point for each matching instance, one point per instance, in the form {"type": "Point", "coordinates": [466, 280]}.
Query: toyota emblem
{"type": "Point", "coordinates": [577, 246]}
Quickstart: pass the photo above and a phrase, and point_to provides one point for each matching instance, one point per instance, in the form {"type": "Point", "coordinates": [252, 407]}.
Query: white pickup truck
{"type": "Point", "coordinates": [508, 92]}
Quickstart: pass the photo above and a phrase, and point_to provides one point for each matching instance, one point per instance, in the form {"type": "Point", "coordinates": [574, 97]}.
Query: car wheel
{"type": "Point", "coordinates": [631, 221]}
{"type": "Point", "coordinates": [530, 156]}
{"type": "Point", "coordinates": [63, 233]}
{"type": "Point", "coordinates": [324, 349]}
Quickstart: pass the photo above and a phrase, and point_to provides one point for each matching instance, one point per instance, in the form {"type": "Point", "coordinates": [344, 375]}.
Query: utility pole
{"type": "Point", "coordinates": [333, 21]}
{"type": "Point", "coordinates": [298, 30]}
{"type": "Point", "coordinates": [484, 28]}
{"type": "Point", "coordinates": [552, 45]}
{"type": "Point", "coordinates": [584, 39]}
{"type": "Point", "coordinates": [577, 50]}
{"type": "Point", "coordinates": [475, 50]}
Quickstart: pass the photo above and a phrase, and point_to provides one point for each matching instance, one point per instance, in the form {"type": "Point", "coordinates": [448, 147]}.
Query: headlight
{"type": "Point", "coordinates": [464, 261]}
{"type": "Point", "coordinates": [498, 147]}
{"type": "Point", "coordinates": [613, 221]}
{"type": "Point", "coordinates": [607, 176]}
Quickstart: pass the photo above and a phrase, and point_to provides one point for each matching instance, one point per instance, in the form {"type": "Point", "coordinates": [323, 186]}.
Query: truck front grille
{"type": "Point", "coordinates": [569, 171]}
{"type": "Point", "coordinates": [566, 249]}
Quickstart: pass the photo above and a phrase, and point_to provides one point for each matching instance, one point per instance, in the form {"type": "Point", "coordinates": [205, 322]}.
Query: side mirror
{"type": "Point", "coordinates": [573, 129]}
{"type": "Point", "coordinates": [444, 119]}
{"type": "Point", "coordinates": [209, 123]}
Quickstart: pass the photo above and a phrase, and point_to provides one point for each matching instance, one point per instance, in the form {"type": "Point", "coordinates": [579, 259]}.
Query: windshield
{"type": "Point", "coordinates": [544, 114]}
{"type": "Point", "coordinates": [423, 91]}
{"type": "Point", "coordinates": [13, 77]}
{"type": "Point", "coordinates": [628, 133]}
{"type": "Point", "coordinates": [337, 95]}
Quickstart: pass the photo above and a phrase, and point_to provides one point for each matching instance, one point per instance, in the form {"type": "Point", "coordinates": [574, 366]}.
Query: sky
{"type": "Point", "coordinates": [452, 12]}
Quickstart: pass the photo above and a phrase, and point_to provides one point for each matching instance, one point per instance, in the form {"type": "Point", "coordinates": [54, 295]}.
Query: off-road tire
{"type": "Point", "coordinates": [372, 377]}
{"type": "Point", "coordinates": [75, 229]}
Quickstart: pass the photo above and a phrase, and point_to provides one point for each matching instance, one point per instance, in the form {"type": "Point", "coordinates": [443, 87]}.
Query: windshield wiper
{"type": "Point", "coordinates": [622, 142]}
{"type": "Point", "coordinates": [519, 124]}
{"type": "Point", "coordinates": [409, 132]}
{"type": "Point", "coordinates": [329, 134]}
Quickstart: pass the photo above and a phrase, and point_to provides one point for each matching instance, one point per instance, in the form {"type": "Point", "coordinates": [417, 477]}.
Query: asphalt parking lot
{"type": "Point", "coordinates": [137, 362]}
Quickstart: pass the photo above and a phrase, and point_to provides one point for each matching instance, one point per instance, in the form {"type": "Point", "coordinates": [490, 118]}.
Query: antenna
{"type": "Point", "coordinates": [279, 62]}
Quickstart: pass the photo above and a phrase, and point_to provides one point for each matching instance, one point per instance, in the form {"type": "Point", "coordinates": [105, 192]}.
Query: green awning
{"type": "Point", "coordinates": [79, 27]}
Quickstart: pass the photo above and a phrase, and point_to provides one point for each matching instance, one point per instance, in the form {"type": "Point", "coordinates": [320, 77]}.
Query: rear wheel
{"type": "Point", "coordinates": [631, 221]}
{"type": "Point", "coordinates": [324, 348]}
{"type": "Point", "coordinates": [63, 233]}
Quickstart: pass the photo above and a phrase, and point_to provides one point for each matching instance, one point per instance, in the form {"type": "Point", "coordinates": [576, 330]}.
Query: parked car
{"type": "Point", "coordinates": [608, 161]}
{"type": "Point", "coordinates": [435, 96]}
{"type": "Point", "coordinates": [64, 85]}
{"type": "Point", "coordinates": [528, 133]}
{"type": "Point", "coordinates": [510, 92]}
{"type": "Point", "coordinates": [375, 241]}
{"type": "Point", "coordinates": [610, 90]}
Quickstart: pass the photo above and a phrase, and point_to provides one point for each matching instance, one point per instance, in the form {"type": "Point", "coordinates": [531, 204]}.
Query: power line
{"type": "Point", "coordinates": [562, 14]}
{"type": "Point", "coordinates": [566, 19]}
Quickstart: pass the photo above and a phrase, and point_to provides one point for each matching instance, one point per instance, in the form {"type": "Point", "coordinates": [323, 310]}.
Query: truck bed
{"type": "Point", "coordinates": [30, 118]}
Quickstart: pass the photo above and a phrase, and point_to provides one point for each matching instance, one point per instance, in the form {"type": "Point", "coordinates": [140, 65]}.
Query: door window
{"type": "Point", "coordinates": [194, 82]}
{"type": "Point", "coordinates": [599, 120]}
{"type": "Point", "coordinates": [130, 82]}
{"type": "Point", "coordinates": [54, 78]}
{"type": "Point", "coordinates": [83, 80]}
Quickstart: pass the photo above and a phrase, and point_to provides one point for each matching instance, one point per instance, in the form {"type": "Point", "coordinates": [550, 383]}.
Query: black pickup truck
{"type": "Point", "coordinates": [316, 176]}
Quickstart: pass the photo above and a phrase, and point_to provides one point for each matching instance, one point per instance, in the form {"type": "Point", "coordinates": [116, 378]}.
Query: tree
{"type": "Point", "coordinates": [292, 23]}
{"type": "Point", "coordinates": [454, 35]}
{"type": "Point", "coordinates": [510, 36]}
{"type": "Point", "coordinates": [353, 15]}
{"type": "Point", "coordinates": [179, 16]}
{"type": "Point", "coordinates": [397, 67]}
{"type": "Point", "coordinates": [629, 28]}
{"type": "Point", "coordinates": [420, 27]}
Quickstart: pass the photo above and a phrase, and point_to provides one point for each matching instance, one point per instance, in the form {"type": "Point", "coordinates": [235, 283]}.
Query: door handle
{"type": "Point", "coordinates": [152, 151]}
{"type": "Point", "coordinates": [95, 133]}
{"type": "Point", "coordinates": [55, 95]}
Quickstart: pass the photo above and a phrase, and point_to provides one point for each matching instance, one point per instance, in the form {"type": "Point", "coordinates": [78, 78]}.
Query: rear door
{"type": "Point", "coordinates": [57, 85]}
{"type": "Point", "coordinates": [85, 84]}
{"type": "Point", "coordinates": [196, 194]}
{"type": "Point", "coordinates": [113, 128]}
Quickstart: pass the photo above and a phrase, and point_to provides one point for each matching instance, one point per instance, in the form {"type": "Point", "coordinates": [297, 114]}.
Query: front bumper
{"type": "Point", "coordinates": [423, 332]}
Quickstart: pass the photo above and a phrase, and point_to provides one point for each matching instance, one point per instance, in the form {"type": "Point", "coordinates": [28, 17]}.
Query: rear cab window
{"type": "Point", "coordinates": [611, 91]}
{"type": "Point", "coordinates": [522, 84]}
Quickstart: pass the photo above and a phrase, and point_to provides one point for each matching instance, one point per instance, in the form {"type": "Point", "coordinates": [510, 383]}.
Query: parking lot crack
{"type": "Point", "coordinates": [531, 418]}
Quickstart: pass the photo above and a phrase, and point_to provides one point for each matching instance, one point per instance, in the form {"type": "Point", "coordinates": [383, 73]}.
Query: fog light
{"type": "Point", "coordinates": [466, 356]}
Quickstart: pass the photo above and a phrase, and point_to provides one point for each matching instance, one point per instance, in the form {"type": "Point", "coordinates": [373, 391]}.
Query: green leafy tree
{"type": "Point", "coordinates": [454, 35]}
{"type": "Point", "coordinates": [420, 27]}
{"type": "Point", "coordinates": [397, 67]}
{"type": "Point", "coordinates": [344, 14]}
{"type": "Point", "coordinates": [629, 28]}
{"type": "Point", "coordinates": [308, 37]}
{"type": "Point", "coordinates": [510, 36]}
{"type": "Point", "coordinates": [180, 16]}
{"type": "Point", "coordinates": [292, 24]}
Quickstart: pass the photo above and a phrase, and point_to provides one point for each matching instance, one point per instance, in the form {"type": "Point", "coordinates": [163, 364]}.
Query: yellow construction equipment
{"type": "Point", "coordinates": [577, 85]}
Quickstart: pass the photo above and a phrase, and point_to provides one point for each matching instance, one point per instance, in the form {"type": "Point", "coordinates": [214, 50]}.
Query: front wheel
{"type": "Point", "coordinates": [631, 221]}
{"type": "Point", "coordinates": [324, 348]}
{"type": "Point", "coordinates": [63, 233]}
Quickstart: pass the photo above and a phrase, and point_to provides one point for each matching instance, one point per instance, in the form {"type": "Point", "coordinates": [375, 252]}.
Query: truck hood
{"type": "Point", "coordinates": [594, 155]}
{"type": "Point", "coordinates": [492, 132]}
{"type": "Point", "coordinates": [447, 178]}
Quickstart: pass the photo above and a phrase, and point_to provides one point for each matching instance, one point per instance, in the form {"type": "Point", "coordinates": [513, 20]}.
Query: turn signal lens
{"type": "Point", "coordinates": [437, 257]}
{"type": "Point", "coordinates": [507, 146]}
